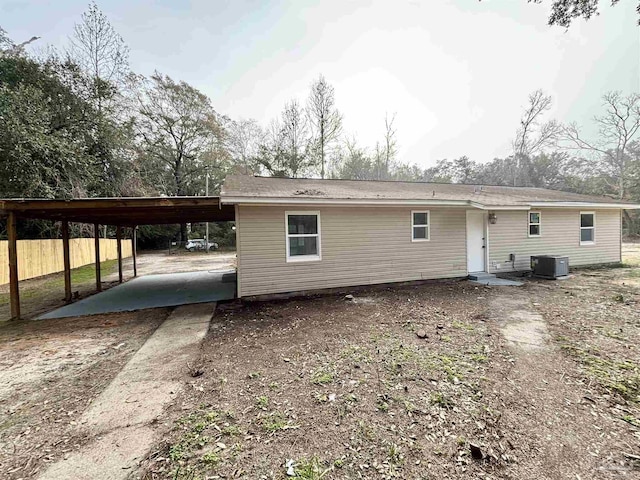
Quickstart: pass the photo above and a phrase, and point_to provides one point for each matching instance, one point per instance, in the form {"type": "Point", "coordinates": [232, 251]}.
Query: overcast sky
{"type": "Point", "coordinates": [457, 73]}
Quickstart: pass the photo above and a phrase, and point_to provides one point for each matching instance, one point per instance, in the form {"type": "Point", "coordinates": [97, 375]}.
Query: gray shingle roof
{"type": "Point", "coordinates": [264, 188]}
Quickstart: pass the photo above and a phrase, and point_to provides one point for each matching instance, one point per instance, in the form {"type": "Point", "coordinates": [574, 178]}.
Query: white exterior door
{"type": "Point", "coordinates": [475, 241]}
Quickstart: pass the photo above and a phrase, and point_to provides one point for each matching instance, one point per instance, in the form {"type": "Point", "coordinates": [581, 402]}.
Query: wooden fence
{"type": "Point", "coordinates": [42, 257]}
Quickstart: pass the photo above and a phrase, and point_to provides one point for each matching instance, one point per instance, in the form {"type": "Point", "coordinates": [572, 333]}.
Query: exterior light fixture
{"type": "Point", "coordinates": [493, 219]}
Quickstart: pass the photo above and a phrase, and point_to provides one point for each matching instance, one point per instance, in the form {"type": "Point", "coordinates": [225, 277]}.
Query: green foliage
{"type": "Point", "coordinates": [312, 469]}
{"type": "Point", "coordinates": [622, 377]}
{"type": "Point", "coordinates": [439, 398]}
{"type": "Point", "coordinates": [211, 459]}
{"type": "Point", "coordinates": [322, 377]}
{"type": "Point", "coordinates": [262, 402]}
{"type": "Point", "coordinates": [275, 422]}
{"type": "Point", "coordinates": [45, 142]}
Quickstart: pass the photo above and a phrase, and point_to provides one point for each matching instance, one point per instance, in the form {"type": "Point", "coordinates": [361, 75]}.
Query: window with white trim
{"type": "Point", "coordinates": [535, 224]}
{"type": "Point", "coordinates": [587, 228]}
{"type": "Point", "coordinates": [303, 236]}
{"type": "Point", "coordinates": [420, 230]}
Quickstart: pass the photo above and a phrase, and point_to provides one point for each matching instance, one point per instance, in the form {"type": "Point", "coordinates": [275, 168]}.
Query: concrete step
{"type": "Point", "coordinates": [481, 276]}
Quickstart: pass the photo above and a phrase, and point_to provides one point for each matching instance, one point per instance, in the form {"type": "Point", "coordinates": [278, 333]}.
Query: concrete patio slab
{"type": "Point", "coordinates": [497, 282]}
{"type": "Point", "coordinates": [152, 291]}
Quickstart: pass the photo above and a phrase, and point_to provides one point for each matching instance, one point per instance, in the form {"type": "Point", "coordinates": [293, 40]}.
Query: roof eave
{"type": "Point", "coordinates": [626, 206]}
{"type": "Point", "coordinates": [253, 200]}
{"type": "Point", "coordinates": [257, 201]}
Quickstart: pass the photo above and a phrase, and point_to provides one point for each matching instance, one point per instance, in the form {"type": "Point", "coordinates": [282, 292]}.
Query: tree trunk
{"type": "Point", "coordinates": [322, 148]}
{"type": "Point", "coordinates": [633, 228]}
{"type": "Point", "coordinates": [183, 232]}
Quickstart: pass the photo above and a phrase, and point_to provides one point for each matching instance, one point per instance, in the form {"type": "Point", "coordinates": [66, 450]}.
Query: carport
{"type": "Point", "coordinates": [123, 213]}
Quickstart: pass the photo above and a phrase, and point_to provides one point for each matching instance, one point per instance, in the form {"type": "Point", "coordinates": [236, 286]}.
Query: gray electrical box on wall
{"type": "Point", "coordinates": [550, 266]}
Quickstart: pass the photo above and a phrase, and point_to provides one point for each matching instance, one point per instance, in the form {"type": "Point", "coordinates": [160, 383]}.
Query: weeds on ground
{"type": "Point", "coordinates": [619, 376]}
{"type": "Point", "coordinates": [275, 422]}
{"type": "Point", "coordinates": [322, 377]}
{"type": "Point", "coordinates": [198, 448]}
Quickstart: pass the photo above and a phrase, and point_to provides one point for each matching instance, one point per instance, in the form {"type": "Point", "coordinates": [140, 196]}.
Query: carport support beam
{"type": "Point", "coordinates": [134, 241]}
{"type": "Point", "coordinates": [96, 234]}
{"type": "Point", "coordinates": [119, 243]}
{"type": "Point", "coordinates": [14, 292]}
{"type": "Point", "coordinates": [67, 261]}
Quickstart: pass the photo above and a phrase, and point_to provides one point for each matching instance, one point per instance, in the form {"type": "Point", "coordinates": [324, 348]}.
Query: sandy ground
{"type": "Point", "coordinates": [49, 372]}
{"type": "Point", "coordinates": [151, 263]}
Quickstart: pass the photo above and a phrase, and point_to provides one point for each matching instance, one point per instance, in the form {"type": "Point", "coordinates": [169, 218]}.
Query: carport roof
{"type": "Point", "coordinates": [126, 211]}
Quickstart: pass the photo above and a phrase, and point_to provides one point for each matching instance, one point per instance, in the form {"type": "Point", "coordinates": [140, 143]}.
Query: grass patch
{"type": "Point", "coordinates": [619, 376]}
{"type": "Point", "coordinates": [80, 277]}
{"type": "Point", "coordinates": [262, 402]}
{"type": "Point", "coordinates": [199, 430]}
{"type": "Point", "coordinates": [211, 459]}
{"type": "Point", "coordinates": [440, 399]}
{"type": "Point", "coordinates": [462, 325]}
{"type": "Point", "coordinates": [312, 469]}
{"type": "Point", "coordinates": [322, 377]}
{"type": "Point", "coordinates": [275, 422]}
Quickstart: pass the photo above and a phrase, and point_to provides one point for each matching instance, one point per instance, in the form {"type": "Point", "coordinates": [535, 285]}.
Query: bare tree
{"type": "Point", "coordinates": [390, 143]}
{"type": "Point", "coordinates": [244, 138]}
{"type": "Point", "coordinates": [618, 127]}
{"type": "Point", "coordinates": [10, 49]}
{"type": "Point", "coordinates": [285, 150]}
{"type": "Point", "coordinates": [533, 136]}
{"type": "Point", "coordinates": [181, 136]}
{"type": "Point", "coordinates": [101, 52]}
{"type": "Point", "coordinates": [325, 120]}
{"type": "Point", "coordinates": [295, 137]}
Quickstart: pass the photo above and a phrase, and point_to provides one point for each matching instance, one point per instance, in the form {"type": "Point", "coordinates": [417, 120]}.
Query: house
{"type": "Point", "coordinates": [307, 234]}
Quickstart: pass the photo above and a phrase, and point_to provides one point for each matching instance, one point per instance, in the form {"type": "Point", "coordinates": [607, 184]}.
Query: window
{"type": "Point", "coordinates": [534, 224]}
{"type": "Point", "coordinates": [420, 226]}
{"type": "Point", "coordinates": [587, 228]}
{"type": "Point", "coordinates": [303, 236]}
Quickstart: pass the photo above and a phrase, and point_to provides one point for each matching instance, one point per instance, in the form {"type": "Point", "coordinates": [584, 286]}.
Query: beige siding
{"type": "Point", "coordinates": [560, 236]}
{"type": "Point", "coordinates": [360, 246]}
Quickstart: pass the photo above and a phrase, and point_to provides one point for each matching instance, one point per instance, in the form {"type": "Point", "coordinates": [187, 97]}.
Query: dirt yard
{"type": "Point", "coordinates": [151, 263]}
{"type": "Point", "coordinates": [49, 372]}
{"type": "Point", "coordinates": [444, 380]}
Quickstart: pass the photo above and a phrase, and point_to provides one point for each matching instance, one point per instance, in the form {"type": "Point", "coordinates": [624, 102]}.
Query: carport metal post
{"type": "Point", "coordinates": [96, 234]}
{"type": "Point", "coordinates": [67, 261]}
{"type": "Point", "coordinates": [134, 241]}
{"type": "Point", "coordinates": [14, 293]}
